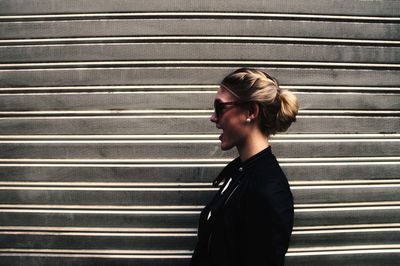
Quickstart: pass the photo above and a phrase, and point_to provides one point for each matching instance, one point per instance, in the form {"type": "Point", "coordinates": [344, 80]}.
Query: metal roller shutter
{"type": "Point", "coordinates": [107, 152]}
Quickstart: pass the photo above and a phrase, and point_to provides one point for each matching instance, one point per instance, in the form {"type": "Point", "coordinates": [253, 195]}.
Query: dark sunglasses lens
{"type": "Point", "coordinates": [218, 109]}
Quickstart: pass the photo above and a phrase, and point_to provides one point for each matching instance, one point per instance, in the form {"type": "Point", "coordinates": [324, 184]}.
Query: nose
{"type": "Point", "coordinates": [213, 118]}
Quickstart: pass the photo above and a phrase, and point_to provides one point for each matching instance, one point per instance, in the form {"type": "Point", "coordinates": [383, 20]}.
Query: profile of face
{"type": "Point", "coordinates": [231, 118]}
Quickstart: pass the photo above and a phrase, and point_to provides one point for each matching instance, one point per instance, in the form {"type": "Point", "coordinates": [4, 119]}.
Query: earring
{"type": "Point", "coordinates": [248, 120]}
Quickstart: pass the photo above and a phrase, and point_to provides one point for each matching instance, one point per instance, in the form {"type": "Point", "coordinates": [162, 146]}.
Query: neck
{"type": "Point", "coordinates": [255, 143]}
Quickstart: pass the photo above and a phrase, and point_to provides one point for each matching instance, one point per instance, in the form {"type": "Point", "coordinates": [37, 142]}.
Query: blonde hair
{"type": "Point", "coordinates": [278, 108]}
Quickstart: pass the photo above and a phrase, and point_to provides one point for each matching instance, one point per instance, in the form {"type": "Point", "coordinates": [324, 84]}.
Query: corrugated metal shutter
{"type": "Point", "coordinates": [107, 152]}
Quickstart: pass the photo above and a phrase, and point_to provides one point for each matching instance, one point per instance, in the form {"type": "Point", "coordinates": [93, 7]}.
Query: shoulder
{"type": "Point", "coordinates": [266, 170]}
{"type": "Point", "coordinates": [267, 181]}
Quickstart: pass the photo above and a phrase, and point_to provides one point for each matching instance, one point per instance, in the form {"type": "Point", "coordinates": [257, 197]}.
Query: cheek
{"type": "Point", "coordinates": [232, 121]}
{"type": "Point", "coordinates": [233, 128]}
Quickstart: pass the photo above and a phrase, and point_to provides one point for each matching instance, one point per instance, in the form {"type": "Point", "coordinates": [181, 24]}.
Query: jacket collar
{"type": "Point", "coordinates": [237, 165]}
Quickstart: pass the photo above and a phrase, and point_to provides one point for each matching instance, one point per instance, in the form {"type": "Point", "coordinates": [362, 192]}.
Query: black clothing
{"type": "Point", "coordinates": [250, 220]}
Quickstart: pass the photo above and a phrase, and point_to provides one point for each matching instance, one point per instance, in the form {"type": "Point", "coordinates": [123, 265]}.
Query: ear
{"type": "Point", "coordinates": [254, 111]}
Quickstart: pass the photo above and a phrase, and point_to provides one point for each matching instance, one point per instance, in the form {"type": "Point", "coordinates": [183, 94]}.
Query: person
{"type": "Point", "coordinates": [250, 219]}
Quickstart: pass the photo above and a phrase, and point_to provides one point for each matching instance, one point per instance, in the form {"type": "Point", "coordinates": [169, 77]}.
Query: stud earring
{"type": "Point", "coordinates": [248, 120]}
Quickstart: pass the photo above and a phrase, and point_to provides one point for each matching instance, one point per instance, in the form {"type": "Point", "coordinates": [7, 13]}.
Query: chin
{"type": "Point", "coordinates": [226, 146]}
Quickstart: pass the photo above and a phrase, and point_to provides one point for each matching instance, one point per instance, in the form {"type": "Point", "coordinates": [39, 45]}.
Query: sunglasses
{"type": "Point", "coordinates": [221, 107]}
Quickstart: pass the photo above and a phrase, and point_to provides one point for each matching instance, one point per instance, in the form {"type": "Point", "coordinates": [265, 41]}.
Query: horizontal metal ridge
{"type": "Point", "coordinates": [148, 208]}
{"type": "Point", "coordinates": [109, 184]}
{"type": "Point", "coordinates": [193, 186]}
{"type": "Point", "coordinates": [180, 141]}
{"type": "Point", "coordinates": [97, 229]}
{"type": "Point", "coordinates": [360, 89]}
{"type": "Point", "coordinates": [185, 208]}
{"type": "Point", "coordinates": [206, 137]}
{"type": "Point", "coordinates": [105, 254]}
{"type": "Point", "coordinates": [343, 182]}
{"type": "Point", "coordinates": [196, 63]}
{"type": "Point", "coordinates": [343, 231]}
{"type": "Point", "coordinates": [347, 209]}
{"type": "Point", "coordinates": [185, 165]}
{"type": "Point", "coordinates": [188, 230]}
{"type": "Point", "coordinates": [196, 189]}
{"type": "Point", "coordinates": [115, 91]}
{"type": "Point", "coordinates": [353, 247]}
{"type": "Point", "coordinates": [345, 226]}
{"type": "Point", "coordinates": [347, 204]}
{"type": "Point", "coordinates": [320, 187]}
{"type": "Point", "coordinates": [342, 250]}
{"type": "Point", "coordinates": [186, 254]}
{"type": "Point", "coordinates": [92, 234]}
{"type": "Point", "coordinates": [214, 15]}
{"type": "Point", "coordinates": [177, 185]}
{"type": "Point", "coordinates": [94, 251]}
{"type": "Point", "coordinates": [156, 210]}
{"type": "Point", "coordinates": [176, 233]}
{"type": "Point", "coordinates": [334, 136]}
{"type": "Point", "coordinates": [349, 228]}
{"type": "Point", "coordinates": [181, 89]}
{"type": "Point", "coordinates": [120, 88]}
{"type": "Point", "coordinates": [146, 189]}
{"type": "Point", "coordinates": [199, 161]}
{"type": "Point", "coordinates": [182, 39]}
{"type": "Point", "coordinates": [349, 112]}
{"type": "Point", "coordinates": [104, 112]}
{"type": "Point", "coordinates": [153, 113]}
{"type": "Point", "coordinates": [101, 211]}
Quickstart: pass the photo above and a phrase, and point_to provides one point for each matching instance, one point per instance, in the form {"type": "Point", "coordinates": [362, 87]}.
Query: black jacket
{"type": "Point", "coordinates": [250, 220]}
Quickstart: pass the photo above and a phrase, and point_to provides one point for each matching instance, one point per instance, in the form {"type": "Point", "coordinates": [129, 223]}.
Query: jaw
{"type": "Point", "coordinates": [224, 143]}
{"type": "Point", "coordinates": [227, 141]}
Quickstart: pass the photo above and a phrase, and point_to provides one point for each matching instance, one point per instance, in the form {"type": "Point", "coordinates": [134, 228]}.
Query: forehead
{"type": "Point", "coordinates": [224, 95]}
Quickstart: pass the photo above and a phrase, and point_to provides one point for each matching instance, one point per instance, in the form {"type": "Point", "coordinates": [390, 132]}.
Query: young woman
{"type": "Point", "coordinates": [250, 219]}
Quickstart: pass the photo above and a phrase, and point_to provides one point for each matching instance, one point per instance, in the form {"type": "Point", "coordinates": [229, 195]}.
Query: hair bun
{"type": "Point", "coordinates": [288, 111]}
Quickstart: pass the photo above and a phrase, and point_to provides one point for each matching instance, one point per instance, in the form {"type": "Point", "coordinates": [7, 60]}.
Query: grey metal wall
{"type": "Point", "coordinates": [107, 153]}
